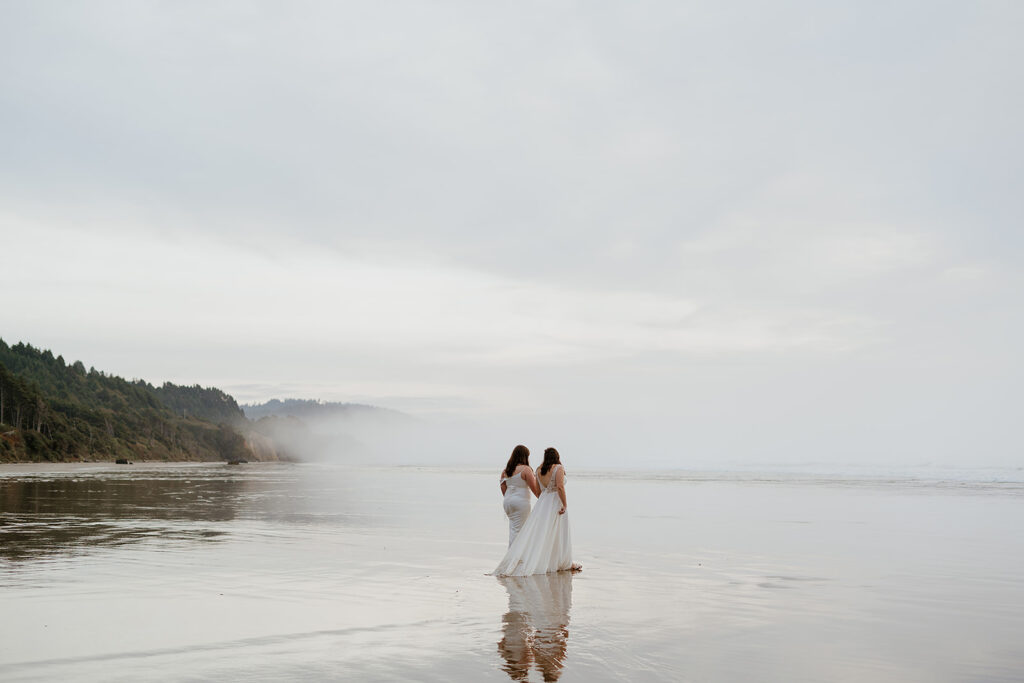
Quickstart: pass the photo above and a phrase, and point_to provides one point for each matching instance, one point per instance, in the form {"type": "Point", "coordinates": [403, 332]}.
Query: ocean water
{"type": "Point", "coordinates": [316, 572]}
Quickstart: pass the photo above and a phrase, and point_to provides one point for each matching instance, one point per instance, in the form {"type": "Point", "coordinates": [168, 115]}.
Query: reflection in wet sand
{"type": "Point", "coordinates": [40, 516]}
{"type": "Point", "coordinates": [536, 627]}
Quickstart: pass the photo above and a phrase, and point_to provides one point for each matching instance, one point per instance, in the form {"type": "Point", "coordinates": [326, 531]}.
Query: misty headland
{"type": "Point", "coordinates": [55, 411]}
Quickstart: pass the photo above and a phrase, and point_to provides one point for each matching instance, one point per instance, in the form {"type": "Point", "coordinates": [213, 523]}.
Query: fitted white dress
{"type": "Point", "coordinates": [544, 543]}
{"type": "Point", "coordinates": [516, 503]}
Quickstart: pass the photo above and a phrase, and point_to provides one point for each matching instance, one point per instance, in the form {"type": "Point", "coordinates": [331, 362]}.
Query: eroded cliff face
{"type": "Point", "coordinates": [264, 449]}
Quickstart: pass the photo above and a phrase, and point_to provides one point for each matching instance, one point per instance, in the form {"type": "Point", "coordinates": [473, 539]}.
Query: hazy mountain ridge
{"type": "Point", "coordinates": [313, 409]}
{"type": "Point", "coordinates": [318, 430]}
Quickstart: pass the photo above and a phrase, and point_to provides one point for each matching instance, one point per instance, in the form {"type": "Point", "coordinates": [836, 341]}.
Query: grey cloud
{"type": "Point", "coordinates": [543, 131]}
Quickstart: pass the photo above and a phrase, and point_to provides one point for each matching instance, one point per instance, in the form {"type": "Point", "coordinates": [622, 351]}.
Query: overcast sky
{"type": "Point", "coordinates": [676, 232]}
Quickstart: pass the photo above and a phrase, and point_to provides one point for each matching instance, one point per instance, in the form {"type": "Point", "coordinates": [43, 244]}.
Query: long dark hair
{"type": "Point", "coordinates": [550, 460]}
{"type": "Point", "coordinates": [520, 456]}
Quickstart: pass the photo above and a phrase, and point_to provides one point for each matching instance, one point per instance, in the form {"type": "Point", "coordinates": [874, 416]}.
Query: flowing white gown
{"type": "Point", "coordinates": [516, 503]}
{"type": "Point", "coordinates": [544, 543]}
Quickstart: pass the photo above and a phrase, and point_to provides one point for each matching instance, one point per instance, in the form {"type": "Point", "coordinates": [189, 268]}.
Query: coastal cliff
{"type": "Point", "coordinates": [51, 410]}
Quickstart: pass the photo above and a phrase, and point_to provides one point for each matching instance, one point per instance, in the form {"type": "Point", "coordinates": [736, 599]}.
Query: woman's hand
{"type": "Point", "coordinates": [562, 511]}
{"type": "Point", "coordinates": [531, 480]}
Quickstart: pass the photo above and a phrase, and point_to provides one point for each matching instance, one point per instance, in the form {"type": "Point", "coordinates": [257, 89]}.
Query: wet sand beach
{"type": "Point", "coordinates": [317, 572]}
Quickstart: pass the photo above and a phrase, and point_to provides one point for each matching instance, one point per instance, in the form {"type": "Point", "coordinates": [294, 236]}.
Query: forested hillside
{"type": "Point", "coordinates": [195, 401]}
{"type": "Point", "coordinates": [53, 410]}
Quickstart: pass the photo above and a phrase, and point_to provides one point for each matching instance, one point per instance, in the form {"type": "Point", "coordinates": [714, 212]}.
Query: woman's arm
{"type": "Point", "coordinates": [531, 480]}
{"type": "Point", "coordinates": [504, 486]}
{"type": "Point", "coordinates": [560, 485]}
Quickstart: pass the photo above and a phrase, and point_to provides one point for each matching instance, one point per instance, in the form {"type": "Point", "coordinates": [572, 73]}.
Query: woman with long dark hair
{"type": "Point", "coordinates": [544, 543]}
{"type": "Point", "coordinates": [517, 481]}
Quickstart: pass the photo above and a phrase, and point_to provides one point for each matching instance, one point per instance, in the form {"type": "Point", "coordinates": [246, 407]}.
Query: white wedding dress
{"type": "Point", "coordinates": [516, 503]}
{"type": "Point", "coordinates": [544, 543]}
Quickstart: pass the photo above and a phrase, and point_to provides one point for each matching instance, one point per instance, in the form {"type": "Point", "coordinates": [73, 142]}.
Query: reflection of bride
{"type": "Point", "coordinates": [536, 627]}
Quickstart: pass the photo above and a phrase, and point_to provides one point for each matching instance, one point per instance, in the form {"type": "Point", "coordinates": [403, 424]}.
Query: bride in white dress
{"type": "Point", "coordinates": [544, 543]}
{"type": "Point", "coordinates": [517, 481]}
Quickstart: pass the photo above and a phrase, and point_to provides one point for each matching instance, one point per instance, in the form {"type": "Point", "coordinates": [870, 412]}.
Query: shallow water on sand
{"type": "Point", "coordinates": [315, 572]}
